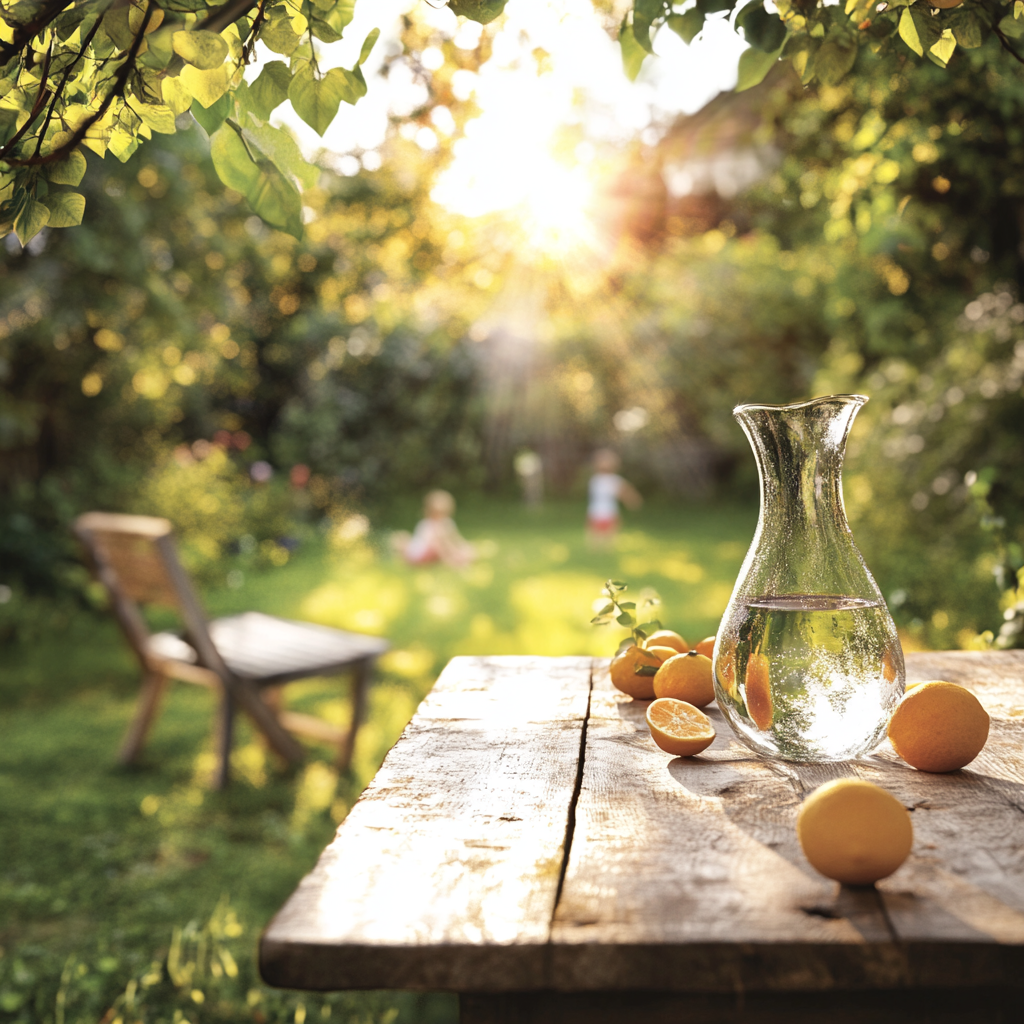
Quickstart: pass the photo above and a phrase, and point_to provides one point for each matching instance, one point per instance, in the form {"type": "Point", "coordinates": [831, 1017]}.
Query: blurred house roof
{"type": "Point", "coordinates": [687, 183]}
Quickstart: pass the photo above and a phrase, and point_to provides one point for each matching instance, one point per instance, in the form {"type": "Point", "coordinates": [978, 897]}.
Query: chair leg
{"type": "Point", "coordinates": [225, 728]}
{"type": "Point", "coordinates": [360, 684]}
{"type": "Point", "coordinates": [153, 685]}
{"type": "Point", "coordinates": [249, 699]}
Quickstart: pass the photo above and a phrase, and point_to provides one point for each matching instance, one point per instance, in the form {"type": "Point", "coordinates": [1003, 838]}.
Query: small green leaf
{"type": "Point", "coordinates": [645, 670]}
{"type": "Point", "coordinates": [66, 209]}
{"type": "Point", "coordinates": [754, 65]}
{"type": "Point", "coordinates": [211, 118]}
{"type": "Point", "coordinates": [803, 53]}
{"type": "Point", "coordinates": [279, 147]}
{"type": "Point", "coordinates": [944, 48]}
{"type": "Point", "coordinates": [835, 57]}
{"type": "Point", "coordinates": [270, 194]}
{"type": "Point", "coordinates": [206, 86]}
{"type": "Point", "coordinates": [68, 171]}
{"type": "Point", "coordinates": [600, 620]}
{"type": "Point", "coordinates": [762, 30]}
{"type": "Point", "coordinates": [633, 53]}
{"type": "Point", "coordinates": [483, 11]}
{"type": "Point", "coordinates": [316, 101]}
{"type": "Point", "coordinates": [31, 219]}
{"type": "Point", "coordinates": [280, 37]}
{"type": "Point", "coordinates": [631, 605]}
{"type": "Point", "coordinates": [202, 49]}
{"type": "Point", "coordinates": [687, 24]}
{"type": "Point", "coordinates": [625, 619]}
{"type": "Point", "coordinates": [967, 28]}
{"type": "Point", "coordinates": [157, 116]}
{"type": "Point", "coordinates": [368, 44]}
{"type": "Point", "coordinates": [176, 95]}
{"type": "Point", "coordinates": [908, 33]}
{"type": "Point", "coordinates": [270, 90]}
{"type": "Point", "coordinates": [650, 627]}
{"type": "Point", "coordinates": [1012, 27]}
{"type": "Point", "coordinates": [644, 14]}
{"type": "Point", "coordinates": [616, 584]}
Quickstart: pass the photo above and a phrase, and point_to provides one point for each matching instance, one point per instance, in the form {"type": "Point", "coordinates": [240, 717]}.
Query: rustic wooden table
{"type": "Point", "coordinates": [526, 845]}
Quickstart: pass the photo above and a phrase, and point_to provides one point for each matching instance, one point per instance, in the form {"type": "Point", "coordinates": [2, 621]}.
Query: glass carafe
{"type": "Point", "coordinates": [808, 666]}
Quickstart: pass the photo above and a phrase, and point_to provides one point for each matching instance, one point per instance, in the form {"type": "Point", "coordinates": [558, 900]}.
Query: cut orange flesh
{"type": "Point", "coordinates": [679, 728]}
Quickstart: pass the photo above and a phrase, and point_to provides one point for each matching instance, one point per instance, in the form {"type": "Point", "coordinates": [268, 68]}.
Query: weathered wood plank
{"type": "Point", "coordinates": [445, 873]}
{"type": "Point", "coordinates": [686, 874]}
{"type": "Point", "coordinates": [965, 879]}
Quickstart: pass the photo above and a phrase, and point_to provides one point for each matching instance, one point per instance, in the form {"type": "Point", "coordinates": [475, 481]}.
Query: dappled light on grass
{"type": "Point", "coordinates": [103, 862]}
{"type": "Point", "coordinates": [530, 592]}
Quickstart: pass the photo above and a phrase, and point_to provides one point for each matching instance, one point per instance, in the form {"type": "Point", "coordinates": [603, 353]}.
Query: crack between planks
{"type": "Point", "coordinates": [884, 910]}
{"type": "Point", "coordinates": [570, 824]}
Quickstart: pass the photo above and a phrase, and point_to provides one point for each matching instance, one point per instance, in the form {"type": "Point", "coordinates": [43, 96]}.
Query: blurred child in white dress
{"type": "Point", "coordinates": [604, 492]}
{"type": "Point", "coordinates": [436, 537]}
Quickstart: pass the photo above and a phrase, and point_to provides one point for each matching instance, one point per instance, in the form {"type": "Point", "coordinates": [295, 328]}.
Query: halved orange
{"type": "Point", "coordinates": [679, 728]}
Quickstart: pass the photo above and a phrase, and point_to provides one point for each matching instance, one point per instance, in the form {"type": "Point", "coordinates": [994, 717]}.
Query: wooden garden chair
{"type": "Point", "coordinates": [246, 657]}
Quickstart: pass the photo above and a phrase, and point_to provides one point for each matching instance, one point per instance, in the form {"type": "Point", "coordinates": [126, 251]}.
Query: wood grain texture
{"type": "Point", "coordinates": [686, 874]}
{"type": "Point", "coordinates": [445, 873]}
{"type": "Point", "coordinates": [682, 875]}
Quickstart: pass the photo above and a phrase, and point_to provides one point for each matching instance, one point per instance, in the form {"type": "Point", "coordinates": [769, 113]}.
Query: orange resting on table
{"type": "Point", "coordinates": [679, 728]}
{"type": "Point", "coordinates": [759, 692]}
{"type": "Point", "coordinates": [938, 727]}
{"type": "Point", "coordinates": [623, 672]}
{"type": "Point", "coordinates": [667, 638]}
{"type": "Point", "coordinates": [686, 677]}
{"type": "Point", "coordinates": [854, 831]}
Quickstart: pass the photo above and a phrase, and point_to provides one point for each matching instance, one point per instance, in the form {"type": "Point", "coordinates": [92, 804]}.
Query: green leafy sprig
{"type": "Point", "coordinates": [625, 614]}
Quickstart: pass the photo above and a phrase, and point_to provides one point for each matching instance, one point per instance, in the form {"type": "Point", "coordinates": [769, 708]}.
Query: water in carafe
{"type": "Point", "coordinates": [808, 666]}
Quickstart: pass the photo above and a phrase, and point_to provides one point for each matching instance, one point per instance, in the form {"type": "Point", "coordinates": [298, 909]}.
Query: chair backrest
{"type": "Point", "coordinates": [126, 546]}
{"type": "Point", "coordinates": [135, 559]}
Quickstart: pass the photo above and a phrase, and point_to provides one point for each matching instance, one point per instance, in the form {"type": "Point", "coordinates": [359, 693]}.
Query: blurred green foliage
{"type": "Point", "coordinates": [400, 347]}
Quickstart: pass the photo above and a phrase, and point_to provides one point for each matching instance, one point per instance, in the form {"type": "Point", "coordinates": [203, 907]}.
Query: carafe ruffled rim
{"type": "Point", "coordinates": [857, 400]}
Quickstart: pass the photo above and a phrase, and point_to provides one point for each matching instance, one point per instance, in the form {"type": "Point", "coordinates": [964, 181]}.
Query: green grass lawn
{"type": "Point", "coordinates": [99, 864]}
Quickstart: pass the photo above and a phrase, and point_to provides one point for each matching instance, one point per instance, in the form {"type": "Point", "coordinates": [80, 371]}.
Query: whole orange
{"type": "Point", "coordinates": [706, 646]}
{"type": "Point", "coordinates": [854, 831]}
{"type": "Point", "coordinates": [661, 653]}
{"type": "Point", "coordinates": [686, 677]}
{"type": "Point", "coordinates": [667, 638]}
{"type": "Point", "coordinates": [938, 727]}
{"type": "Point", "coordinates": [623, 672]}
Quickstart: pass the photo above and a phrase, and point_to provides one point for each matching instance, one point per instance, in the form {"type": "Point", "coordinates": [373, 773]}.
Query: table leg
{"type": "Point", "coordinates": [898, 1006]}
{"type": "Point", "coordinates": [360, 684]}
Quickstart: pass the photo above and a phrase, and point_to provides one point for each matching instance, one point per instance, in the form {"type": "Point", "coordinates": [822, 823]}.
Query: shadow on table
{"type": "Point", "coordinates": [948, 883]}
